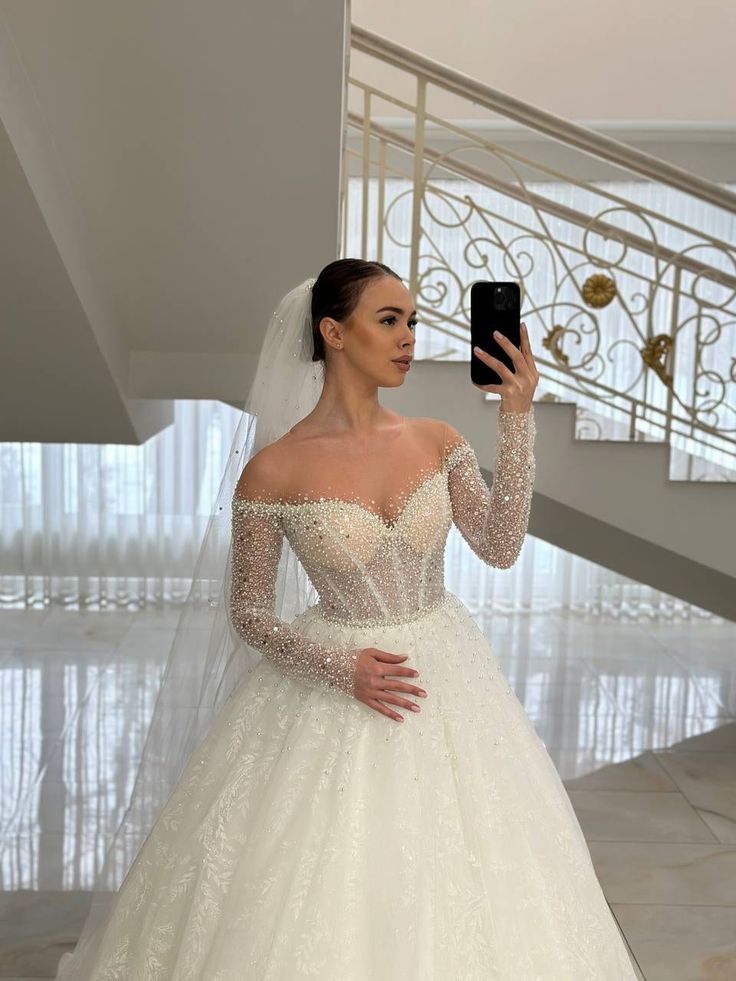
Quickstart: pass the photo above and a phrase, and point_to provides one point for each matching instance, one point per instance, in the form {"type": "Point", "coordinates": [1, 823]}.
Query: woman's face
{"type": "Point", "coordinates": [380, 330]}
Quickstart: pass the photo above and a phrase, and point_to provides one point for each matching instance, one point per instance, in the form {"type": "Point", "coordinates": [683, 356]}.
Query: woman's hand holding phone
{"type": "Point", "coordinates": [518, 386]}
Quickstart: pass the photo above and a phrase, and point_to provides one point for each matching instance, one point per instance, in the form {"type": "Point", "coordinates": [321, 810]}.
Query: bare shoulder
{"type": "Point", "coordinates": [261, 476]}
{"type": "Point", "coordinates": [443, 433]}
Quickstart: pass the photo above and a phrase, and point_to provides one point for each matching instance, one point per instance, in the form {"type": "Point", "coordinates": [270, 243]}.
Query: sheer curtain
{"type": "Point", "coordinates": [91, 526]}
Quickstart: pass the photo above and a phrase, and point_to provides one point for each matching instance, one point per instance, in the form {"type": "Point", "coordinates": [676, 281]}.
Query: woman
{"type": "Point", "coordinates": [308, 836]}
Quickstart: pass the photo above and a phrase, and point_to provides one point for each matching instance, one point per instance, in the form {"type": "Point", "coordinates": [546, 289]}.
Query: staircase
{"type": "Point", "coordinates": [631, 310]}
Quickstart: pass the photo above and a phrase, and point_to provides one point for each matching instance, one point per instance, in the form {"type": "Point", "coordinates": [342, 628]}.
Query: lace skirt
{"type": "Point", "coordinates": [310, 836]}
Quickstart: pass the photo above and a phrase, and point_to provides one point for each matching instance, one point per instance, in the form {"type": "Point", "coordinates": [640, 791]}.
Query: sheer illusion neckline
{"type": "Point", "coordinates": [388, 524]}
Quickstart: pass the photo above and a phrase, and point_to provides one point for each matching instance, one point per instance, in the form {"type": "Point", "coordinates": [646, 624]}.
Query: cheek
{"type": "Point", "coordinates": [372, 343]}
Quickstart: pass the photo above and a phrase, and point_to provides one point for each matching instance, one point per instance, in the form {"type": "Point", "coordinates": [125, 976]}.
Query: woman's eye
{"type": "Point", "coordinates": [412, 323]}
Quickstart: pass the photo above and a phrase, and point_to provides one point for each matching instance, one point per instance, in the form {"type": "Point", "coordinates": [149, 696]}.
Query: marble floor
{"type": "Point", "coordinates": [639, 718]}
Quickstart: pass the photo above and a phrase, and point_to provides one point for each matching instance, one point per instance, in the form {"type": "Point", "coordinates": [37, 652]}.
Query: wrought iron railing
{"type": "Point", "coordinates": [631, 308]}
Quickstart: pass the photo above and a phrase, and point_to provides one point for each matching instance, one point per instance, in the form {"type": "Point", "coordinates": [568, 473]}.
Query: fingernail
{"type": "Point", "coordinates": [496, 333]}
{"type": "Point", "coordinates": [477, 350]}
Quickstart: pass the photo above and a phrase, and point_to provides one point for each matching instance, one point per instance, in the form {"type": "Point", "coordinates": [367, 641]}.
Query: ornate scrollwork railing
{"type": "Point", "coordinates": [632, 311]}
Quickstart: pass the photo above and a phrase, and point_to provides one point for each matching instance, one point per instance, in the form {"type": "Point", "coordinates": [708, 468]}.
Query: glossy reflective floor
{"type": "Point", "coordinates": [639, 718]}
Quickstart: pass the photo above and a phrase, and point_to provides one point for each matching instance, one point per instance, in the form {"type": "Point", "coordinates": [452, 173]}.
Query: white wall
{"type": "Point", "coordinates": [583, 59]}
{"type": "Point", "coordinates": [183, 159]}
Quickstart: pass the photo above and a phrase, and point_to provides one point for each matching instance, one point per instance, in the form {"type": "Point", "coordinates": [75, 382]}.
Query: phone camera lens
{"type": "Point", "coordinates": [500, 298]}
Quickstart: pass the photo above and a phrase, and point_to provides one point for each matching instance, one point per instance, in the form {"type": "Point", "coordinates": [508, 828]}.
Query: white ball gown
{"type": "Point", "coordinates": [311, 836]}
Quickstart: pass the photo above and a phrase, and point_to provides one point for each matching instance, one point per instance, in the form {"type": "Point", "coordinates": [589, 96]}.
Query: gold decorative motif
{"type": "Point", "coordinates": [552, 343]}
{"type": "Point", "coordinates": [654, 355]}
{"type": "Point", "coordinates": [598, 290]}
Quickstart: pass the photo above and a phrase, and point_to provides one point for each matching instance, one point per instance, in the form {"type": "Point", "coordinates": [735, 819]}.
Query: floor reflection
{"type": "Point", "coordinates": [639, 718]}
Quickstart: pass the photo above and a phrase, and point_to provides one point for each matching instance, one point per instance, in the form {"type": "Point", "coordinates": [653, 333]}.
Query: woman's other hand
{"type": "Point", "coordinates": [375, 682]}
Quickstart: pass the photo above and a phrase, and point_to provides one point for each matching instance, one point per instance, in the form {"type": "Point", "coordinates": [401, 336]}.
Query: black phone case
{"type": "Point", "coordinates": [489, 311]}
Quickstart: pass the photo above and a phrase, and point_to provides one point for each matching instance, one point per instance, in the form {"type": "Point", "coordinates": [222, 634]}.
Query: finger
{"type": "Point", "coordinates": [505, 342]}
{"type": "Point", "coordinates": [399, 671]}
{"type": "Point", "coordinates": [503, 370]}
{"type": "Point", "coordinates": [526, 348]}
{"type": "Point", "coordinates": [379, 707]}
{"type": "Point", "coordinates": [380, 655]}
{"type": "Point", "coordinates": [485, 357]}
{"type": "Point", "coordinates": [522, 368]}
{"type": "Point", "coordinates": [401, 702]}
{"type": "Point", "coordinates": [402, 686]}
{"type": "Point", "coordinates": [513, 351]}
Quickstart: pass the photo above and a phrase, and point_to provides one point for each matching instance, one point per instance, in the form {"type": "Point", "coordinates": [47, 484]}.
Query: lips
{"type": "Point", "coordinates": [402, 360]}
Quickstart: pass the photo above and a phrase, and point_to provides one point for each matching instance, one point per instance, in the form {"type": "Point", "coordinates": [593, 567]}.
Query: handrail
{"type": "Point", "coordinates": [551, 207]}
{"type": "Point", "coordinates": [595, 144]}
{"type": "Point", "coordinates": [673, 320]}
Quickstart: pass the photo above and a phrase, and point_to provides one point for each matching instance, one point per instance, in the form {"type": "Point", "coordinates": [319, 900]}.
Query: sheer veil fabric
{"type": "Point", "coordinates": [207, 658]}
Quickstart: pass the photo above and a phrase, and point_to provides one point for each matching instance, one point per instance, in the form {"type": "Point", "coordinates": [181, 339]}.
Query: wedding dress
{"type": "Point", "coordinates": [311, 836]}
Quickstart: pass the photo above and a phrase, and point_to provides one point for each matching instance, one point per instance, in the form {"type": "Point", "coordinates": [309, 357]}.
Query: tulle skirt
{"type": "Point", "coordinates": [311, 836]}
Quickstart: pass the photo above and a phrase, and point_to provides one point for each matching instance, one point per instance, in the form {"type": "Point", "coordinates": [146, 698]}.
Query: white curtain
{"type": "Point", "coordinates": [90, 526]}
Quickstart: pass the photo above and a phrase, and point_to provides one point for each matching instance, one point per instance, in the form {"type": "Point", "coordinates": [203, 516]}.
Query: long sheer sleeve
{"type": "Point", "coordinates": [256, 550]}
{"type": "Point", "coordinates": [494, 522]}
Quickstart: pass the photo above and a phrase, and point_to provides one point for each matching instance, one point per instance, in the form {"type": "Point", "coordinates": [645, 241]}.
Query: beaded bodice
{"type": "Point", "coordinates": [363, 566]}
{"type": "Point", "coordinates": [368, 568]}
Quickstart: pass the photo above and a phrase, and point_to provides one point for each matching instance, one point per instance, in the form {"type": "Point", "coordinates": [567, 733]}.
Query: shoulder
{"type": "Point", "coordinates": [261, 476]}
{"type": "Point", "coordinates": [446, 437]}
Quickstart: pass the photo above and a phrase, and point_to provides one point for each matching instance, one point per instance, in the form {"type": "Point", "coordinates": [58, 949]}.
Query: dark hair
{"type": "Point", "coordinates": [337, 291]}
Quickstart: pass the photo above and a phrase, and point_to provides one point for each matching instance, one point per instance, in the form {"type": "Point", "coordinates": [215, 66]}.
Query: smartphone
{"type": "Point", "coordinates": [493, 306]}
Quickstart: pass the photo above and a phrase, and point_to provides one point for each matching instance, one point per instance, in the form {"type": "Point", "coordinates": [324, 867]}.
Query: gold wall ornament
{"type": "Point", "coordinates": [655, 353]}
{"type": "Point", "coordinates": [552, 343]}
{"type": "Point", "coordinates": [598, 290]}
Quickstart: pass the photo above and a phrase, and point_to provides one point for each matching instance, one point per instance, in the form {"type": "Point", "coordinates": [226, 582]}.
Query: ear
{"type": "Point", "coordinates": [332, 332]}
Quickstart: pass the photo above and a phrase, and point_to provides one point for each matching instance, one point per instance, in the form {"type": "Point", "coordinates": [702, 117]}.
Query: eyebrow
{"type": "Point", "coordinates": [395, 310]}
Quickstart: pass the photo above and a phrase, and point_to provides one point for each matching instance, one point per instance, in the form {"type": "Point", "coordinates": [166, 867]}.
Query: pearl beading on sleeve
{"type": "Point", "coordinates": [494, 522]}
{"type": "Point", "coordinates": [256, 550]}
